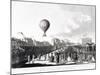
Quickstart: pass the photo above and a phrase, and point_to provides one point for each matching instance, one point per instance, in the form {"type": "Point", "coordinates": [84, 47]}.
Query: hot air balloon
{"type": "Point", "coordinates": [44, 25]}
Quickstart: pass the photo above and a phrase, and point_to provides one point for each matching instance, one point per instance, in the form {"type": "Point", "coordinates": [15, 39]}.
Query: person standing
{"type": "Point", "coordinates": [57, 57]}
{"type": "Point", "coordinates": [28, 58]}
{"type": "Point", "coordinates": [33, 58]}
{"type": "Point", "coordinates": [52, 57]}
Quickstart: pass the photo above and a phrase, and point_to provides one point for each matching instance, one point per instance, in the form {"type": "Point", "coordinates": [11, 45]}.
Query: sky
{"type": "Point", "coordinates": [66, 21]}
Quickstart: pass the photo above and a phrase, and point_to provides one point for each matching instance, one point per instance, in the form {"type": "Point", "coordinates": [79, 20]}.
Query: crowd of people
{"type": "Point", "coordinates": [61, 57]}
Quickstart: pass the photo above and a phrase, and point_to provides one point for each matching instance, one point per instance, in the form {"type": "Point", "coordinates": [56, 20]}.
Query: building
{"type": "Point", "coordinates": [86, 40]}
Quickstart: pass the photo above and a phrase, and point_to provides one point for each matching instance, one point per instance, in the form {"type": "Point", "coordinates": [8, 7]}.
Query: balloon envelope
{"type": "Point", "coordinates": [44, 25]}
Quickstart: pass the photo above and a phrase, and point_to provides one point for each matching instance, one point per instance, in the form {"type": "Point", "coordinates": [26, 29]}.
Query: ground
{"type": "Point", "coordinates": [66, 67]}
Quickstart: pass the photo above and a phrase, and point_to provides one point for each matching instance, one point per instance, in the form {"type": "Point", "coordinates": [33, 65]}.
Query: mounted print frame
{"type": "Point", "coordinates": [52, 37]}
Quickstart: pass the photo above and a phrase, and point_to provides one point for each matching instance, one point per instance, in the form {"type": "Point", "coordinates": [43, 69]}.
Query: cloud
{"type": "Point", "coordinates": [76, 21]}
{"type": "Point", "coordinates": [72, 24]}
{"type": "Point", "coordinates": [82, 18]}
{"type": "Point", "coordinates": [85, 18]}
